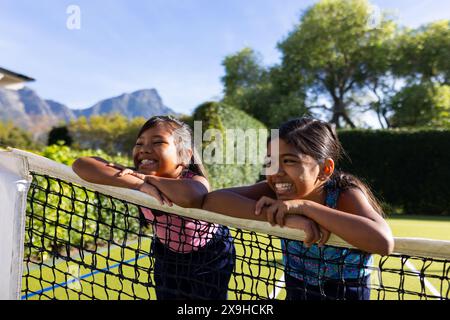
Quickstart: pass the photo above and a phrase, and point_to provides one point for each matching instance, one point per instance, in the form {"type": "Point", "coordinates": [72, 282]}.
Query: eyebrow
{"type": "Point", "coordinates": [157, 136]}
{"type": "Point", "coordinates": [289, 155]}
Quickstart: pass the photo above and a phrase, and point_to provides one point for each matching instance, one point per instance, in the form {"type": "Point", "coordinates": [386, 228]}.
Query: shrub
{"type": "Point", "coordinates": [407, 169]}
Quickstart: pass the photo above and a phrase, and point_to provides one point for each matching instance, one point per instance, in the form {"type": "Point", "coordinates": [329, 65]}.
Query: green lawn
{"type": "Point", "coordinates": [116, 278]}
{"type": "Point", "coordinates": [420, 226]}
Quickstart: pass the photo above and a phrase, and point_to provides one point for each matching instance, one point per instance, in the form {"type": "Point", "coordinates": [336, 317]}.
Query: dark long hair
{"type": "Point", "coordinates": [319, 140]}
{"type": "Point", "coordinates": [183, 140]}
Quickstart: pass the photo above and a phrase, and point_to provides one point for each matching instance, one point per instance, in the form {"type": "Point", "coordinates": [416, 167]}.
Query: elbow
{"type": "Point", "coordinates": [79, 167]}
{"type": "Point", "coordinates": [194, 201]}
{"type": "Point", "coordinates": [385, 246]}
{"type": "Point", "coordinates": [207, 203]}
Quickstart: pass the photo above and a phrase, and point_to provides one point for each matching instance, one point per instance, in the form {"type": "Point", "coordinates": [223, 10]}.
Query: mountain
{"type": "Point", "coordinates": [143, 103]}
{"type": "Point", "coordinates": [29, 111]}
{"type": "Point", "coordinates": [61, 111]}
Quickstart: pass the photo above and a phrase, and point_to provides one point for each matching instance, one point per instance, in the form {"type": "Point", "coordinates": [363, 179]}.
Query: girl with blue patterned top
{"type": "Point", "coordinates": [307, 185]}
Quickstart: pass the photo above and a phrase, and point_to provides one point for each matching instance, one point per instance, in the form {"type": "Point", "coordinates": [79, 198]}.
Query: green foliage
{"type": "Point", "coordinates": [408, 170]}
{"type": "Point", "coordinates": [421, 105]}
{"type": "Point", "coordinates": [66, 155]}
{"type": "Point", "coordinates": [422, 54]}
{"type": "Point", "coordinates": [222, 117]}
{"type": "Point", "coordinates": [62, 218]}
{"type": "Point", "coordinates": [243, 71]}
{"type": "Point", "coordinates": [112, 133]}
{"type": "Point", "coordinates": [259, 91]}
{"type": "Point", "coordinates": [68, 214]}
{"type": "Point", "coordinates": [337, 62]}
{"type": "Point", "coordinates": [12, 136]}
{"type": "Point", "coordinates": [335, 52]}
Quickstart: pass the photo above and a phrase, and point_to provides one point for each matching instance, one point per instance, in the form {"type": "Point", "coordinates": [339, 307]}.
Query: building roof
{"type": "Point", "coordinates": [15, 75]}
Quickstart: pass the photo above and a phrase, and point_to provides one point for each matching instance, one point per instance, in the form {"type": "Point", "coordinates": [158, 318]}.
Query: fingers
{"type": "Point", "coordinates": [264, 201]}
{"type": "Point", "coordinates": [132, 173]}
{"type": "Point", "coordinates": [279, 218]}
{"type": "Point", "coordinates": [312, 234]}
{"type": "Point", "coordinates": [166, 199]}
{"type": "Point", "coordinates": [125, 172]}
{"type": "Point", "coordinates": [115, 165]}
{"type": "Point", "coordinates": [325, 236]}
{"type": "Point", "coordinates": [271, 213]}
{"type": "Point", "coordinates": [139, 175]}
{"type": "Point", "coordinates": [152, 191]}
{"type": "Point", "coordinates": [308, 237]}
{"type": "Point", "coordinates": [158, 197]}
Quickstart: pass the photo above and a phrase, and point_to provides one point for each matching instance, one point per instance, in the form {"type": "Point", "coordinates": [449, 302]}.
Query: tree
{"type": "Point", "coordinates": [422, 54]}
{"type": "Point", "coordinates": [336, 53]}
{"type": "Point", "coordinates": [12, 136]}
{"type": "Point", "coordinates": [113, 133]}
{"type": "Point", "coordinates": [421, 105]}
{"type": "Point", "coordinates": [259, 90]}
{"type": "Point", "coordinates": [243, 70]}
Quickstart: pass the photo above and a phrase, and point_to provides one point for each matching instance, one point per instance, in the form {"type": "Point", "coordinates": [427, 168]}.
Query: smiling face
{"type": "Point", "coordinates": [155, 152]}
{"type": "Point", "coordinates": [298, 176]}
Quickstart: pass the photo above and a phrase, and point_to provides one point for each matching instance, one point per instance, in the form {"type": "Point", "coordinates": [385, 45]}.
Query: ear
{"type": "Point", "coordinates": [186, 156]}
{"type": "Point", "coordinates": [328, 167]}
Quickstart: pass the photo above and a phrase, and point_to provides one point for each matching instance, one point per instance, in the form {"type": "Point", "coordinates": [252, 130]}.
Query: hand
{"type": "Point", "coordinates": [276, 214]}
{"type": "Point", "coordinates": [278, 209]}
{"type": "Point", "coordinates": [325, 236]}
{"type": "Point", "coordinates": [145, 186]}
{"type": "Point", "coordinates": [124, 171]}
{"type": "Point", "coordinates": [116, 166]}
{"type": "Point", "coordinates": [311, 229]}
{"type": "Point", "coordinates": [154, 192]}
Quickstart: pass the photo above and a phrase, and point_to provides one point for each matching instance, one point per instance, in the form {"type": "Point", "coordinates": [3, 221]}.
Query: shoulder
{"type": "Point", "coordinates": [195, 177]}
{"type": "Point", "coordinates": [353, 200]}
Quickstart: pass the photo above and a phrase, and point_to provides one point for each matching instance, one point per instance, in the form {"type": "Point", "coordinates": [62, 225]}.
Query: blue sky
{"type": "Point", "coordinates": [175, 46]}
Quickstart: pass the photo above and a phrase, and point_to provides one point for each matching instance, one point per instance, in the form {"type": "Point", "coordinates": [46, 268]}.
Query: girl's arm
{"type": "Point", "coordinates": [187, 193]}
{"type": "Point", "coordinates": [238, 202]}
{"type": "Point", "coordinates": [233, 204]}
{"type": "Point", "coordinates": [255, 191]}
{"type": "Point", "coordinates": [354, 220]}
{"type": "Point", "coordinates": [96, 170]}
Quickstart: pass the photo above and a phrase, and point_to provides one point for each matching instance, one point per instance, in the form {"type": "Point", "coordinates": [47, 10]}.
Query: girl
{"type": "Point", "coordinates": [306, 184]}
{"type": "Point", "coordinates": [193, 259]}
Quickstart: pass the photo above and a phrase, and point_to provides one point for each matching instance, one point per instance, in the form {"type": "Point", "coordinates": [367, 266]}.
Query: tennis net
{"type": "Point", "coordinates": [85, 241]}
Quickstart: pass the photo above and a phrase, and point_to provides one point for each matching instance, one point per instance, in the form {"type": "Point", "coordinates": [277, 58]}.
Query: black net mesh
{"type": "Point", "coordinates": [80, 244]}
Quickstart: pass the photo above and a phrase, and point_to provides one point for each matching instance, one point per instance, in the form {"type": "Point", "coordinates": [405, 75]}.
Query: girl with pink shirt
{"type": "Point", "coordinates": [193, 259]}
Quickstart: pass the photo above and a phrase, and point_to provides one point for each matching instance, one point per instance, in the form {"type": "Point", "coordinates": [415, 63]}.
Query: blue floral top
{"type": "Point", "coordinates": [315, 264]}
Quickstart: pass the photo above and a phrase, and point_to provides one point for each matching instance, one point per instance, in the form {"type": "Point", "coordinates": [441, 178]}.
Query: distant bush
{"type": "Point", "coordinates": [113, 133]}
{"type": "Point", "coordinates": [58, 134]}
{"type": "Point", "coordinates": [222, 117]}
{"type": "Point", "coordinates": [66, 155]}
{"type": "Point", "coordinates": [12, 136]}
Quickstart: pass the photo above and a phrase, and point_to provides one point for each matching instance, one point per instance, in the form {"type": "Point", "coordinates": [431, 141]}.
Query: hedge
{"type": "Point", "coordinates": [220, 116]}
{"type": "Point", "coordinates": [408, 170]}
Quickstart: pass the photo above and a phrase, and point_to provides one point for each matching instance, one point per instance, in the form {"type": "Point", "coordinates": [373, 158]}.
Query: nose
{"type": "Point", "coordinates": [275, 169]}
{"type": "Point", "coordinates": [145, 148]}
{"type": "Point", "coordinates": [280, 172]}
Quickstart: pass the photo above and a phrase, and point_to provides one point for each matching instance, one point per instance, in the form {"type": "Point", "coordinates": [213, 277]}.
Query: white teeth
{"type": "Point", "coordinates": [145, 161]}
{"type": "Point", "coordinates": [283, 186]}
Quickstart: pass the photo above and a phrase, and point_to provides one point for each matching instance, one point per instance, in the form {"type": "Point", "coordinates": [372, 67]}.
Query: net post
{"type": "Point", "coordinates": [14, 184]}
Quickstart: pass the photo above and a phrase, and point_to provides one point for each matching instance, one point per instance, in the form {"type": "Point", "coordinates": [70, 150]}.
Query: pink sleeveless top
{"type": "Point", "coordinates": [182, 235]}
